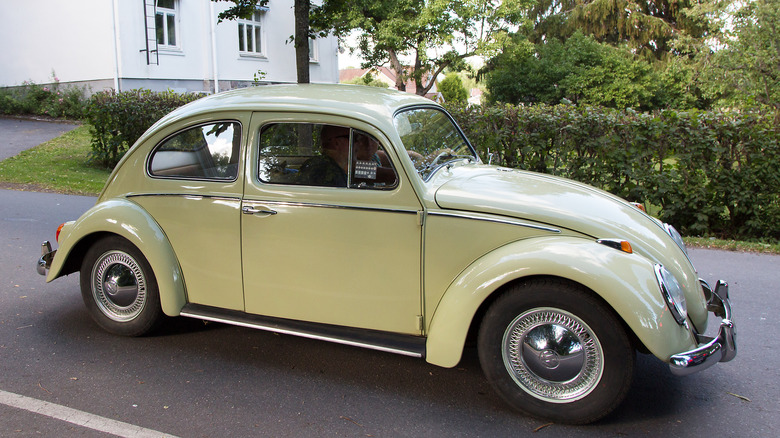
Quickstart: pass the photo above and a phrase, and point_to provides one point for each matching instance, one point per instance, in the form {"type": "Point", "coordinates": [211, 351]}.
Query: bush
{"type": "Point", "coordinates": [452, 89]}
{"type": "Point", "coordinates": [119, 119]}
{"type": "Point", "coordinates": [52, 100]}
{"type": "Point", "coordinates": [708, 172]}
{"type": "Point", "coordinates": [368, 79]}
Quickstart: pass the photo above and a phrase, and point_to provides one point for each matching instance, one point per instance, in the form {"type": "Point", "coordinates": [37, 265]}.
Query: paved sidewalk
{"type": "Point", "coordinates": [17, 135]}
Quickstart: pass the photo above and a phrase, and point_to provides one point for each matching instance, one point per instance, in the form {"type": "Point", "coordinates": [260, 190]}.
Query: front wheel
{"type": "Point", "coordinates": [119, 288]}
{"type": "Point", "coordinates": [552, 350]}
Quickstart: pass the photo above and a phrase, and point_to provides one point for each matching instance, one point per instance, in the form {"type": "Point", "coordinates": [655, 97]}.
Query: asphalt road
{"type": "Point", "coordinates": [21, 134]}
{"type": "Point", "coordinates": [198, 380]}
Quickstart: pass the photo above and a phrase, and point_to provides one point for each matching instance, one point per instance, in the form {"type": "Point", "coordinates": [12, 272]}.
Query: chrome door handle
{"type": "Point", "coordinates": [250, 210]}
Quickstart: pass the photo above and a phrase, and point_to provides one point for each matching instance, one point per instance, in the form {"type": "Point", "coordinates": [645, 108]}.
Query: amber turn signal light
{"type": "Point", "coordinates": [621, 245]}
{"type": "Point", "coordinates": [57, 236]}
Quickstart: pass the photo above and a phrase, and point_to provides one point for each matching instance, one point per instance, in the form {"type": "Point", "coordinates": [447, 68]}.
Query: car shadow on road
{"type": "Point", "coordinates": [191, 349]}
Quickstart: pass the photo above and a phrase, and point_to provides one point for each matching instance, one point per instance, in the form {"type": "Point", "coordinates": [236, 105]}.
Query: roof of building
{"type": "Point", "coordinates": [349, 74]}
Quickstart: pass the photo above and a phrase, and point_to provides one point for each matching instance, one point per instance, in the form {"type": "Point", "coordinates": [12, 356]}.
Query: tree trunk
{"type": "Point", "coordinates": [302, 40]}
{"type": "Point", "coordinates": [400, 77]}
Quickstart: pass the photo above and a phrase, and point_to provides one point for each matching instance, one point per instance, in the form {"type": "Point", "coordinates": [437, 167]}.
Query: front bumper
{"type": "Point", "coordinates": [710, 351]}
{"type": "Point", "coordinates": [47, 255]}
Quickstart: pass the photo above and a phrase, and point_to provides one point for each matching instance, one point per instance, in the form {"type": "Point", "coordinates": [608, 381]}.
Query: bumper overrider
{"type": "Point", "coordinates": [710, 351]}
{"type": "Point", "coordinates": [47, 255]}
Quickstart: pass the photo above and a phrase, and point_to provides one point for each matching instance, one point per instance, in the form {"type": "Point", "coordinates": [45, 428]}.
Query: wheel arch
{"type": "Point", "coordinates": [126, 219]}
{"type": "Point", "coordinates": [479, 315]}
{"type": "Point", "coordinates": [624, 282]}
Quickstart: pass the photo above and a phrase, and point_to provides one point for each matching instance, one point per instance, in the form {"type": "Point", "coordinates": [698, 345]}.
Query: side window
{"type": "Point", "coordinates": [203, 152]}
{"type": "Point", "coordinates": [323, 155]}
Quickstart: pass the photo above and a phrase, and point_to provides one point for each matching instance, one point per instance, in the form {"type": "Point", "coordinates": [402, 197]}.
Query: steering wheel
{"type": "Point", "coordinates": [441, 154]}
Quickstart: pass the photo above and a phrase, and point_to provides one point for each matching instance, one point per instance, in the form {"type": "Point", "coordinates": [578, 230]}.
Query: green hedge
{"type": "Point", "coordinates": [51, 100]}
{"type": "Point", "coordinates": [710, 173]}
{"type": "Point", "coordinates": [119, 119]}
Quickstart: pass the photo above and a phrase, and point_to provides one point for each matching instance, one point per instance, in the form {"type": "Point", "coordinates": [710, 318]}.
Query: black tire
{"type": "Point", "coordinates": [119, 288]}
{"type": "Point", "coordinates": [554, 351]}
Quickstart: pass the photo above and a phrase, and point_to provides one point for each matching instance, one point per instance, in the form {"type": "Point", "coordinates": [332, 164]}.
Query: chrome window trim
{"type": "Point", "coordinates": [495, 220]}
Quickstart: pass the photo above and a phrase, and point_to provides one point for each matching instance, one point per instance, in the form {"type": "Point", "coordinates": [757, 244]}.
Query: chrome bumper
{"type": "Point", "coordinates": [710, 351]}
{"type": "Point", "coordinates": [47, 255]}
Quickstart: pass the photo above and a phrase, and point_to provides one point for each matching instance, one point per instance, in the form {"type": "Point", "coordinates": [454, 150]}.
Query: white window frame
{"type": "Point", "coordinates": [245, 37]}
{"type": "Point", "coordinates": [166, 13]}
{"type": "Point", "coordinates": [314, 50]}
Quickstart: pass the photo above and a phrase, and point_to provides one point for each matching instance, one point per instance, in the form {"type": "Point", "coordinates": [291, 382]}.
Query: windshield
{"type": "Point", "coordinates": [432, 140]}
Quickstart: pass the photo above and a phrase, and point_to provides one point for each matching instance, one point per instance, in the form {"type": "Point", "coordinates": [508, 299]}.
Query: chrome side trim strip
{"type": "Point", "coordinates": [184, 195]}
{"type": "Point", "coordinates": [496, 220]}
{"type": "Point", "coordinates": [303, 334]}
{"type": "Point", "coordinates": [316, 205]}
{"type": "Point", "coordinates": [281, 203]}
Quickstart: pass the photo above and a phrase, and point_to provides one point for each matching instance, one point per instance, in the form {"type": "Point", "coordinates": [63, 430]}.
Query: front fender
{"type": "Point", "coordinates": [127, 219]}
{"type": "Point", "coordinates": [626, 282]}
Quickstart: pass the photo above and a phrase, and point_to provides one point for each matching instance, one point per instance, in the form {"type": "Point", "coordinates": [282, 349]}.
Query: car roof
{"type": "Point", "coordinates": [358, 101]}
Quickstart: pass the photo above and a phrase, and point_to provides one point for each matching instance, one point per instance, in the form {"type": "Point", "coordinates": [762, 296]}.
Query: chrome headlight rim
{"type": "Point", "coordinates": [673, 294]}
{"type": "Point", "coordinates": [676, 236]}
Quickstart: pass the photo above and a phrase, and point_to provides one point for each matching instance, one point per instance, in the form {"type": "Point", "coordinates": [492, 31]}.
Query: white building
{"type": "Point", "coordinates": [155, 44]}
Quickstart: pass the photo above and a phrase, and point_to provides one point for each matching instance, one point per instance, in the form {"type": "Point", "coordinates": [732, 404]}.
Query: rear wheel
{"type": "Point", "coordinates": [119, 288]}
{"type": "Point", "coordinates": [552, 350]}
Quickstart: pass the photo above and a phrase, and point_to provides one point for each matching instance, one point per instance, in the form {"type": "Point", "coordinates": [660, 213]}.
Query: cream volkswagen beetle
{"type": "Point", "coordinates": [365, 217]}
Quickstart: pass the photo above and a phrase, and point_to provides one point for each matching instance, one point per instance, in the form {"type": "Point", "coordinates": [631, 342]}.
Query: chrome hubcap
{"type": "Point", "coordinates": [552, 355]}
{"type": "Point", "coordinates": [118, 286]}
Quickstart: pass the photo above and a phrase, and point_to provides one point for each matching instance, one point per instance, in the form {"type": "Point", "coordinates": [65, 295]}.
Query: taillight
{"type": "Point", "coordinates": [57, 236]}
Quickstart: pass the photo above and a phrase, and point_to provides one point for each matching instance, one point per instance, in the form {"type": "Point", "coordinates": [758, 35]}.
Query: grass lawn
{"type": "Point", "coordinates": [59, 165]}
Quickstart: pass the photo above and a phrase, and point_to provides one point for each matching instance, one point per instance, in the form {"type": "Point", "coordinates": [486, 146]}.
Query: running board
{"type": "Point", "coordinates": [406, 345]}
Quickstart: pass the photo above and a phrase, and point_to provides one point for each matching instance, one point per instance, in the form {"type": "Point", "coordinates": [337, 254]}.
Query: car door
{"type": "Point", "coordinates": [324, 244]}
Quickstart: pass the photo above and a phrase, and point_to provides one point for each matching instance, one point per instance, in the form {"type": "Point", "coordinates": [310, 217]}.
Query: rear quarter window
{"type": "Point", "coordinates": [209, 151]}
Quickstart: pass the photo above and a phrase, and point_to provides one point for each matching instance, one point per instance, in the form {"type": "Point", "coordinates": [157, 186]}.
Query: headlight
{"type": "Point", "coordinates": [676, 237]}
{"type": "Point", "coordinates": [673, 294]}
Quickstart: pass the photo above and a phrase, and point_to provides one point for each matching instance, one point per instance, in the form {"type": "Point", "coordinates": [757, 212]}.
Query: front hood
{"type": "Point", "coordinates": [558, 202]}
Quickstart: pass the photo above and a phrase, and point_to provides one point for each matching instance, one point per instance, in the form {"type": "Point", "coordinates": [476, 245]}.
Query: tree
{"type": "Point", "coordinates": [746, 73]}
{"type": "Point", "coordinates": [578, 70]}
{"type": "Point", "coordinates": [452, 89]}
{"type": "Point", "coordinates": [302, 40]}
{"type": "Point", "coordinates": [245, 9]}
{"type": "Point", "coordinates": [645, 26]}
{"type": "Point", "coordinates": [436, 34]}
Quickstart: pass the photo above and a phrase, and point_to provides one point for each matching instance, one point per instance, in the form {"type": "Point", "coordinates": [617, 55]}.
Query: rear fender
{"type": "Point", "coordinates": [127, 219]}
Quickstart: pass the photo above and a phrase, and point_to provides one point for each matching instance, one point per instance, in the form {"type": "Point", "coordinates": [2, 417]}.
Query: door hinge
{"type": "Point", "coordinates": [421, 217]}
{"type": "Point", "coordinates": [420, 323]}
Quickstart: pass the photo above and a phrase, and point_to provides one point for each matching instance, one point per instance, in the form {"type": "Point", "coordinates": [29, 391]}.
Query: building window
{"type": "Point", "coordinates": [250, 34]}
{"type": "Point", "coordinates": [313, 50]}
{"type": "Point", "coordinates": [165, 23]}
